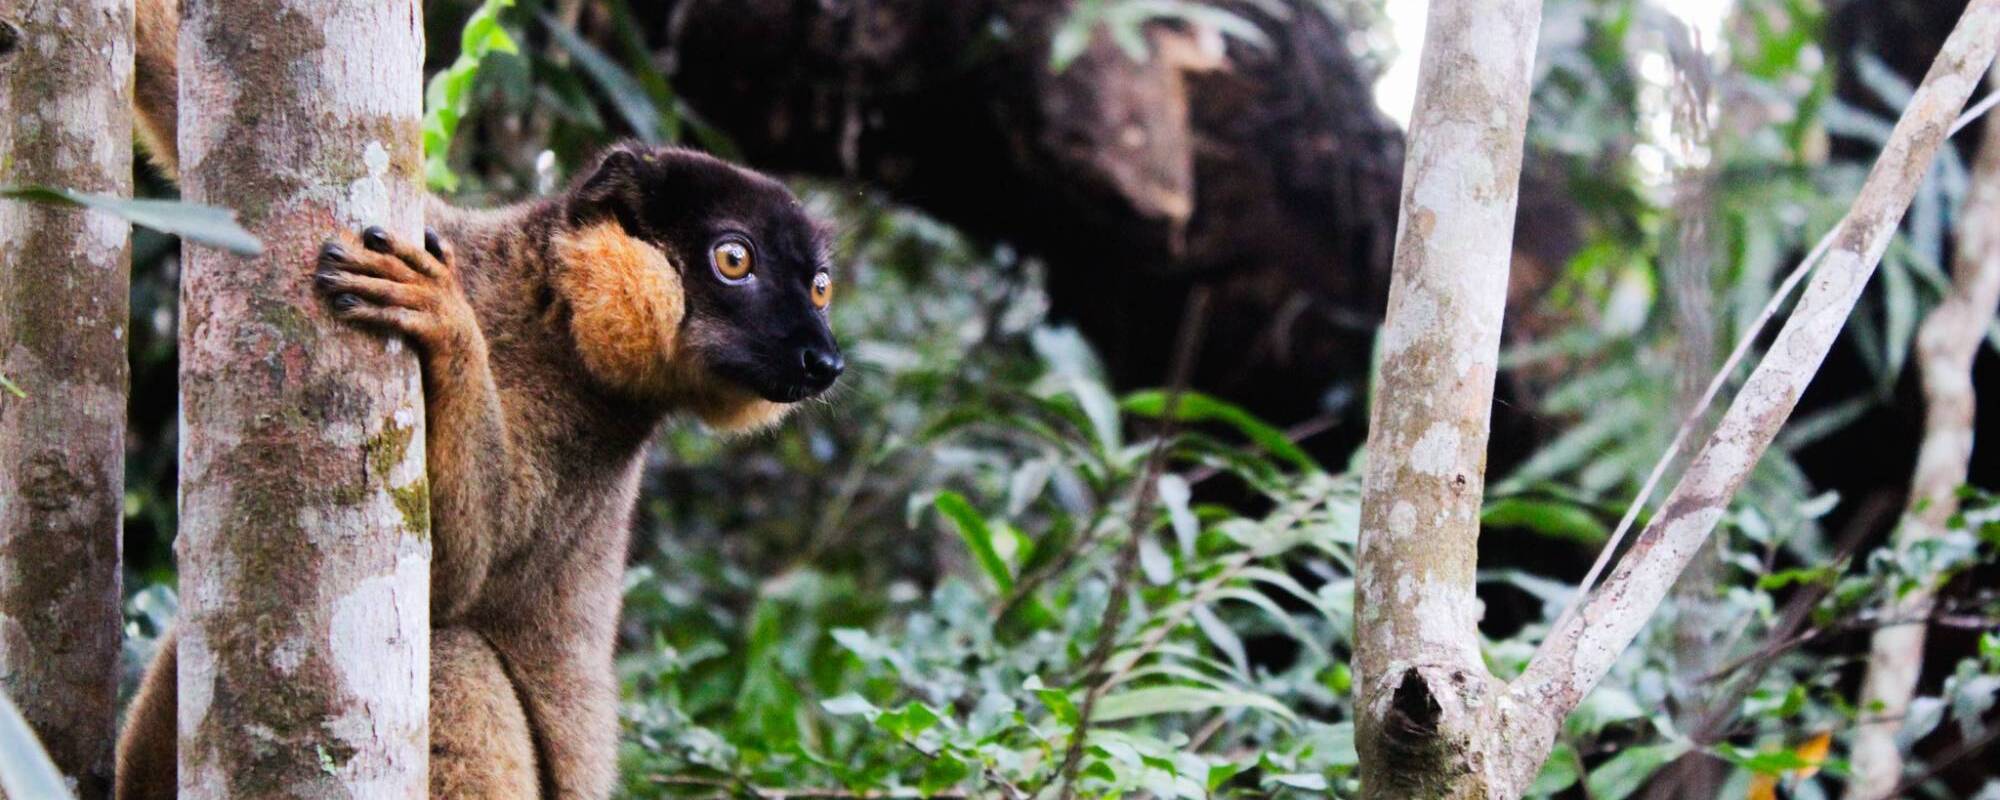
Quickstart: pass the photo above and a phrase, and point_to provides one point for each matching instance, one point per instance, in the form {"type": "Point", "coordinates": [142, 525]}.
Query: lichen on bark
{"type": "Point", "coordinates": [304, 545]}
{"type": "Point", "coordinates": [65, 105]}
{"type": "Point", "coordinates": [1426, 702]}
{"type": "Point", "coordinates": [1946, 345]}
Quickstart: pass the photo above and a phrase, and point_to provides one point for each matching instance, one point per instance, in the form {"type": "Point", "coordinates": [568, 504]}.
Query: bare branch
{"type": "Point", "coordinates": [1193, 321]}
{"type": "Point", "coordinates": [1946, 345]}
{"type": "Point", "coordinates": [1582, 648]}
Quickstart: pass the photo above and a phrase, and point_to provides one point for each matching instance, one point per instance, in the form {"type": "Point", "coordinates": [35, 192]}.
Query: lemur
{"type": "Point", "coordinates": [553, 336]}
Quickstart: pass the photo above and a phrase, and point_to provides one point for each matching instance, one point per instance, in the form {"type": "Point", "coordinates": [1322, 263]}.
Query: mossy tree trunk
{"type": "Point", "coordinates": [304, 632]}
{"type": "Point", "coordinates": [65, 121]}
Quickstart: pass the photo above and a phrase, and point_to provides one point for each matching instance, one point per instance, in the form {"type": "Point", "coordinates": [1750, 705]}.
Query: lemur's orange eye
{"type": "Point", "coordinates": [822, 290]}
{"type": "Point", "coordinates": [731, 259]}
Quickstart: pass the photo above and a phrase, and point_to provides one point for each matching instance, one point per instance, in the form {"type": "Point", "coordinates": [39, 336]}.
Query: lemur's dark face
{"type": "Point", "coordinates": [753, 266]}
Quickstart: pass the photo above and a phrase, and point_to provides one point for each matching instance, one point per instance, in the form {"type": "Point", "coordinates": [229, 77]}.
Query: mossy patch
{"type": "Point", "coordinates": [414, 500]}
{"type": "Point", "coordinates": [387, 449]}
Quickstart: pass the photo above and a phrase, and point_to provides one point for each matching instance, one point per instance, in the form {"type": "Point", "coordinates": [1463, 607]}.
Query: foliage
{"type": "Point", "coordinates": [25, 767]}
{"type": "Point", "coordinates": [215, 227]}
{"type": "Point", "coordinates": [895, 591]}
{"type": "Point", "coordinates": [1125, 21]}
{"type": "Point", "coordinates": [966, 678]}
{"type": "Point", "coordinates": [1739, 668]}
{"type": "Point", "coordinates": [449, 94]}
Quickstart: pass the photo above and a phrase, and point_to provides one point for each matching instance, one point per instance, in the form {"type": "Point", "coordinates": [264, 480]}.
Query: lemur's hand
{"type": "Point", "coordinates": [379, 282]}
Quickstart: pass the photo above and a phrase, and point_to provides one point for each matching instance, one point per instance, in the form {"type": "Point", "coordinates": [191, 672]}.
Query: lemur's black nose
{"type": "Point", "coordinates": [821, 367]}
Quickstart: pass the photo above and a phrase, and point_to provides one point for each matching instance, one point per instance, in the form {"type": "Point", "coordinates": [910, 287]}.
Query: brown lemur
{"type": "Point", "coordinates": [553, 336]}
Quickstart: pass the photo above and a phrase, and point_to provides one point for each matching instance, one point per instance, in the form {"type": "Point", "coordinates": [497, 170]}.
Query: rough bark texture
{"type": "Point", "coordinates": [1950, 338]}
{"type": "Point", "coordinates": [304, 544]}
{"type": "Point", "coordinates": [1430, 715]}
{"type": "Point", "coordinates": [65, 120]}
{"type": "Point", "coordinates": [1583, 647]}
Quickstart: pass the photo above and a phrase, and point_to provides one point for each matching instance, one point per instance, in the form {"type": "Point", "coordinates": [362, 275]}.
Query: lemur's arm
{"type": "Point", "coordinates": [397, 287]}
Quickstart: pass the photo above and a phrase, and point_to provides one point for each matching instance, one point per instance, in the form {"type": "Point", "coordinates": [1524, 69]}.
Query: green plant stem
{"type": "Point", "coordinates": [1192, 322]}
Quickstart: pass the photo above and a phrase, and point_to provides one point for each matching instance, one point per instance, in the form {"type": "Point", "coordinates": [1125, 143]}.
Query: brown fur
{"type": "Point", "coordinates": [156, 78]}
{"type": "Point", "coordinates": [625, 306]}
{"type": "Point", "coordinates": [551, 347]}
{"type": "Point", "coordinates": [480, 744]}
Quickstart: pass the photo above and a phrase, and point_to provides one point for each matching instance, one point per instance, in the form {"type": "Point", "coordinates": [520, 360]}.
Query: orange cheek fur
{"type": "Point", "coordinates": [626, 309]}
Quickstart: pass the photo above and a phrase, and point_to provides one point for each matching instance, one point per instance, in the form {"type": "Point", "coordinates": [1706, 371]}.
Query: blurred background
{"type": "Point", "coordinates": [889, 593]}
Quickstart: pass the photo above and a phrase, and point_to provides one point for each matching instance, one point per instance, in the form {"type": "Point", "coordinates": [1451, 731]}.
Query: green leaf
{"type": "Point", "coordinates": [849, 705]}
{"type": "Point", "coordinates": [1059, 703]}
{"type": "Point", "coordinates": [1219, 774]}
{"type": "Point", "coordinates": [1603, 706]}
{"type": "Point", "coordinates": [1223, 637]}
{"type": "Point", "coordinates": [449, 95]}
{"type": "Point", "coordinates": [1175, 494]}
{"type": "Point", "coordinates": [1301, 780]}
{"type": "Point", "coordinates": [1626, 772]}
{"type": "Point", "coordinates": [1558, 773]}
{"type": "Point", "coordinates": [908, 721]}
{"type": "Point", "coordinates": [11, 388]}
{"type": "Point", "coordinates": [207, 225]}
{"type": "Point", "coordinates": [1073, 38]}
{"type": "Point", "coordinates": [627, 95]}
{"type": "Point", "coordinates": [1155, 700]}
{"type": "Point", "coordinates": [978, 537]}
{"type": "Point", "coordinates": [1197, 407]}
{"type": "Point", "coordinates": [25, 768]}
{"type": "Point", "coordinates": [1552, 518]}
{"type": "Point", "coordinates": [943, 771]}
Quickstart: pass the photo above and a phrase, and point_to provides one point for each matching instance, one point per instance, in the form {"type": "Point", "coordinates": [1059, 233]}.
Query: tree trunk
{"type": "Point", "coordinates": [1951, 336]}
{"type": "Point", "coordinates": [1429, 713]}
{"type": "Point", "coordinates": [304, 545]}
{"type": "Point", "coordinates": [65, 121]}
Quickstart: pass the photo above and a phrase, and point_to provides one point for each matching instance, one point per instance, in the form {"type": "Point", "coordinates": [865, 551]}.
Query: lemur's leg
{"type": "Point", "coordinates": [480, 744]}
{"type": "Point", "coordinates": [558, 648]}
{"type": "Point", "coordinates": [571, 696]}
{"type": "Point", "coordinates": [147, 760]}
{"type": "Point", "coordinates": [380, 282]}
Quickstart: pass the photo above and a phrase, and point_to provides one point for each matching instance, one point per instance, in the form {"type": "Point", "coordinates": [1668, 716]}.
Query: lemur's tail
{"type": "Point", "coordinates": [156, 84]}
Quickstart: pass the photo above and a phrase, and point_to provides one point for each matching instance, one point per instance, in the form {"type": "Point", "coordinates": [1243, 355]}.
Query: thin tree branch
{"type": "Point", "coordinates": [1582, 648]}
{"type": "Point", "coordinates": [1193, 320]}
{"type": "Point", "coordinates": [1950, 338]}
{"type": "Point", "coordinates": [1907, 787]}
{"type": "Point", "coordinates": [1693, 419]}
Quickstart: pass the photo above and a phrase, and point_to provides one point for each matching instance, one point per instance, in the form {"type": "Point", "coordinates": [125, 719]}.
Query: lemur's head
{"type": "Point", "coordinates": [697, 285]}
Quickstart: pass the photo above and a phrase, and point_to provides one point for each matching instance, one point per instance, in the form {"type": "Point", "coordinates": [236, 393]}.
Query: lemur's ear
{"type": "Point", "coordinates": [625, 304]}
{"type": "Point", "coordinates": [613, 186]}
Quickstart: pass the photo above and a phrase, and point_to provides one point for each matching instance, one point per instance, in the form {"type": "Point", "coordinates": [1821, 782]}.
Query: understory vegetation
{"type": "Point", "coordinates": [927, 584]}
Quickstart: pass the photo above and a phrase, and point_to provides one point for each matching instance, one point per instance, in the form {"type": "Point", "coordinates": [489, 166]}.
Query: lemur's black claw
{"type": "Point", "coordinates": [376, 239]}
{"type": "Point", "coordinates": [345, 302]}
{"type": "Point", "coordinates": [433, 244]}
{"type": "Point", "coordinates": [332, 251]}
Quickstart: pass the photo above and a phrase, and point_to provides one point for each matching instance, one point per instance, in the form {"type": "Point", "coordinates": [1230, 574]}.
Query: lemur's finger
{"type": "Point", "coordinates": [374, 290]}
{"type": "Point", "coordinates": [391, 319]}
{"type": "Point", "coordinates": [378, 239]}
{"type": "Point", "coordinates": [437, 246]}
{"type": "Point", "coordinates": [344, 257]}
